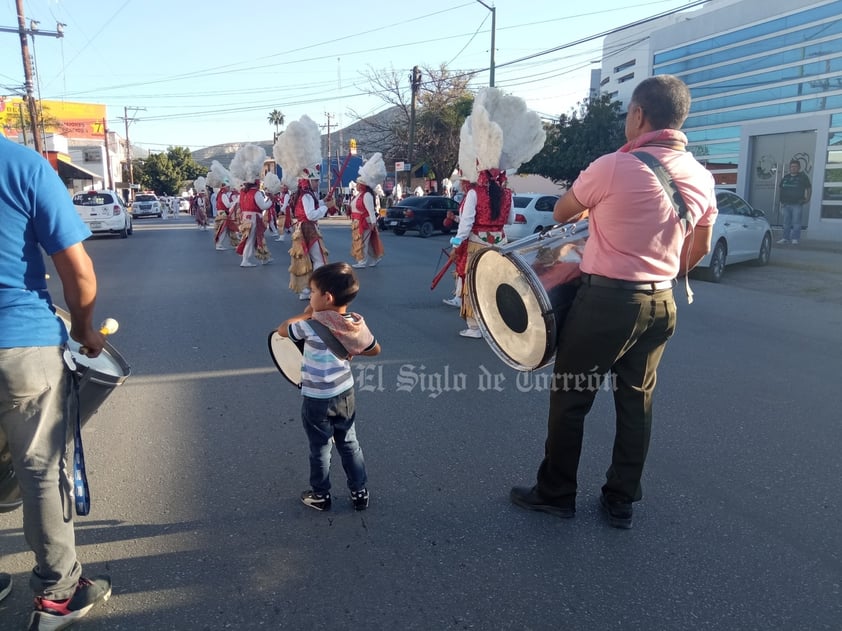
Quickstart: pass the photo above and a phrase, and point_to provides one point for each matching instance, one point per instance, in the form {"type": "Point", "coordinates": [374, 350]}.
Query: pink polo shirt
{"type": "Point", "coordinates": [635, 233]}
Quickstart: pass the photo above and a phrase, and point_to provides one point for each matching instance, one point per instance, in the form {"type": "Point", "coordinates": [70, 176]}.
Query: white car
{"type": "Point", "coordinates": [532, 212]}
{"type": "Point", "coordinates": [146, 204]}
{"type": "Point", "coordinates": [103, 211]}
{"type": "Point", "coordinates": [740, 233]}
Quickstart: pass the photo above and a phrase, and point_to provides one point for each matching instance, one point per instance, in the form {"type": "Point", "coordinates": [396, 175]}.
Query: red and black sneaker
{"type": "Point", "coordinates": [51, 615]}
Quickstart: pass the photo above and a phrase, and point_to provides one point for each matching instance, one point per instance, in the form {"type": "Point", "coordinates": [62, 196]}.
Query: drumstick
{"type": "Point", "coordinates": [108, 326]}
{"type": "Point", "coordinates": [440, 275]}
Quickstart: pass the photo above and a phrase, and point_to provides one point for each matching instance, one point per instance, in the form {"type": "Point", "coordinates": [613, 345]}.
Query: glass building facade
{"type": "Point", "coordinates": [766, 81]}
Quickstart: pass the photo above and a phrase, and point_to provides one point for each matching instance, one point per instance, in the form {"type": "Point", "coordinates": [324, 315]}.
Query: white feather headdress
{"type": "Point", "coordinates": [247, 164]}
{"type": "Point", "coordinates": [218, 175]}
{"type": "Point", "coordinates": [298, 150]}
{"type": "Point", "coordinates": [272, 183]}
{"type": "Point", "coordinates": [373, 171]}
{"type": "Point", "coordinates": [501, 133]}
{"type": "Point", "coordinates": [199, 185]}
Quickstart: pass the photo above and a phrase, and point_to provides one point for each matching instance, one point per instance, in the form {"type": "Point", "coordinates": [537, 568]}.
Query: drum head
{"type": "Point", "coordinates": [287, 357]}
{"type": "Point", "coordinates": [510, 312]}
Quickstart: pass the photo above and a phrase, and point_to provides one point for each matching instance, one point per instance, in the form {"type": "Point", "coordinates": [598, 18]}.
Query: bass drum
{"type": "Point", "coordinates": [521, 292]}
{"type": "Point", "coordinates": [97, 377]}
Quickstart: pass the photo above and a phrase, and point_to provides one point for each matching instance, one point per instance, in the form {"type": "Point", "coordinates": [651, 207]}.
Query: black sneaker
{"type": "Point", "coordinates": [51, 615]}
{"type": "Point", "coordinates": [319, 501]}
{"type": "Point", "coordinates": [359, 499]}
{"type": "Point", "coordinates": [5, 585]}
{"type": "Point", "coordinates": [619, 512]}
{"type": "Point", "coordinates": [530, 499]}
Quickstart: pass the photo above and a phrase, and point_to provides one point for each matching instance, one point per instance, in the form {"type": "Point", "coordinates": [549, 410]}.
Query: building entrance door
{"type": "Point", "coordinates": [770, 158]}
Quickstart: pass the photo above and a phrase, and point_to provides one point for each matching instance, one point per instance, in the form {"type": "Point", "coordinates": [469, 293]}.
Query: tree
{"type": "Point", "coordinates": [276, 118]}
{"type": "Point", "coordinates": [443, 103]}
{"type": "Point", "coordinates": [168, 173]}
{"type": "Point", "coordinates": [577, 139]}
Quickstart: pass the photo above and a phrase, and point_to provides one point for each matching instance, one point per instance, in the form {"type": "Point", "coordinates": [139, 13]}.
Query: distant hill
{"type": "Point", "coordinates": [359, 130]}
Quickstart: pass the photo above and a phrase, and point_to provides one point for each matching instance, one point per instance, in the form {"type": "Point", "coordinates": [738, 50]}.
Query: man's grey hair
{"type": "Point", "coordinates": [665, 100]}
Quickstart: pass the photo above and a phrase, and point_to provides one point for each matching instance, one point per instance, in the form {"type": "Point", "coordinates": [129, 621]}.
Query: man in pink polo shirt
{"type": "Point", "coordinates": [624, 311]}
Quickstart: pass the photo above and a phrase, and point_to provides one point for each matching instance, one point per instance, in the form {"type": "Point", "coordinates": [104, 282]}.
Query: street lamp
{"type": "Point", "coordinates": [493, 29]}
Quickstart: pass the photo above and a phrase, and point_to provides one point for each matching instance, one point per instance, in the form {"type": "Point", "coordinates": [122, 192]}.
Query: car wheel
{"type": "Point", "coordinates": [131, 227]}
{"type": "Point", "coordinates": [765, 250]}
{"type": "Point", "coordinates": [716, 269]}
{"type": "Point", "coordinates": [124, 233]}
{"type": "Point", "coordinates": [426, 229]}
{"type": "Point", "coordinates": [399, 231]}
{"type": "Point", "coordinates": [538, 229]}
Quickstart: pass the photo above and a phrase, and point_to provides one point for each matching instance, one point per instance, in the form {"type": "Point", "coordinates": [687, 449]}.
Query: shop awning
{"type": "Point", "coordinates": [69, 171]}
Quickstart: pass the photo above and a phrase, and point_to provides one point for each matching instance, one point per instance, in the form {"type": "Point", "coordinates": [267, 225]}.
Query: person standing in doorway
{"type": "Point", "coordinates": [795, 193]}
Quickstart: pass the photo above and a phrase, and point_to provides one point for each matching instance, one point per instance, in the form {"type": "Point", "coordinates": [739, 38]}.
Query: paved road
{"type": "Point", "coordinates": [196, 463]}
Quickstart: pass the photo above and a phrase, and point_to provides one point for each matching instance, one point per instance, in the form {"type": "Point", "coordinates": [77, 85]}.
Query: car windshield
{"type": "Point", "coordinates": [92, 199]}
{"type": "Point", "coordinates": [146, 198]}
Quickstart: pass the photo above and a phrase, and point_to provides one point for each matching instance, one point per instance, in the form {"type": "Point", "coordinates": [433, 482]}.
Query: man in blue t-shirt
{"type": "Point", "coordinates": [36, 213]}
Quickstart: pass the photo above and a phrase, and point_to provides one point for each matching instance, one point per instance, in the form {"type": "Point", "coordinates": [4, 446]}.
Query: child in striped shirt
{"type": "Point", "coordinates": [327, 383]}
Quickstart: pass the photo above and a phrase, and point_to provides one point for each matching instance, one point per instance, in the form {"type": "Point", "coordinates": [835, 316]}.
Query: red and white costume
{"type": "Point", "coordinates": [308, 250]}
{"type": "Point", "coordinates": [224, 222]}
{"type": "Point", "coordinates": [366, 246]}
{"type": "Point", "coordinates": [201, 215]}
{"type": "Point", "coordinates": [478, 228]}
{"type": "Point", "coordinates": [253, 202]}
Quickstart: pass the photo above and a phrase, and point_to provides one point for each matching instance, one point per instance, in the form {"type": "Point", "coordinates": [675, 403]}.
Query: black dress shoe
{"type": "Point", "coordinates": [530, 499]}
{"type": "Point", "coordinates": [619, 512]}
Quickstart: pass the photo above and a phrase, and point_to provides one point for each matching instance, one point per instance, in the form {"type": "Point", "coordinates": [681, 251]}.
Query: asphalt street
{"type": "Point", "coordinates": [197, 461]}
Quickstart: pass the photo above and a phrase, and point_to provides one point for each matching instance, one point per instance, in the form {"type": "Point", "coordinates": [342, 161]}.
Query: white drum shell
{"type": "Point", "coordinates": [97, 377]}
{"type": "Point", "coordinates": [518, 292]}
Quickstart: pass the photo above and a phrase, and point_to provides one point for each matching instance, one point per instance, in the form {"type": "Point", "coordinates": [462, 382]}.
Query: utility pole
{"type": "Point", "coordinates": [108, 157]}
{"type": "Point", "coordinates": [27, 70]}
{"type": "Point", "coordinates": [127, 120]}
{"type": "Point", "coordinates": [415, 83]}
{"type": "Point", "coordinates": [493, 31]}
{"type": "Point", "coordinates": [328, 115]}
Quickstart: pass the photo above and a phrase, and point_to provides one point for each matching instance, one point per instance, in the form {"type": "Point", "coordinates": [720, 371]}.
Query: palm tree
{"type": "Point", "coordinates": [276, 118]}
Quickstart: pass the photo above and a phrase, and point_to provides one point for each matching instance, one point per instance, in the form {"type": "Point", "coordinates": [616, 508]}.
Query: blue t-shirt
{"type": "Point", "coordinates": [36, 212]}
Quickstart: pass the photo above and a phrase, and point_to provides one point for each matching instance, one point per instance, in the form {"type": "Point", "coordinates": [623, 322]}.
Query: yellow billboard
{"type": "Point", "coordinates": [72, 120]}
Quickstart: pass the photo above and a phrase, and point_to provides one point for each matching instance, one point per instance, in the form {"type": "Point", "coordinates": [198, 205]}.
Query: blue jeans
{"type": "Point", "coordinates": [792, 221]}
{"type": "Point", "coordinates": [34, 412]}
{"type": "Point", "coordinates": [326, 419]}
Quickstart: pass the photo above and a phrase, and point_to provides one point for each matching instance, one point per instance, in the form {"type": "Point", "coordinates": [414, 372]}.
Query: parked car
{"type": "Point", "coordinates": [103, 211]}
{"type": "Point", "coordinates": [740, 233]}
{"type": "Point", "coordinates": [147, 204]}
{"type": "Point", "coordinates": [425, 214]}
{"type": "Point", "coordinates": [532, 212]}
{"type": "Point", "coordinates": [184, 205]}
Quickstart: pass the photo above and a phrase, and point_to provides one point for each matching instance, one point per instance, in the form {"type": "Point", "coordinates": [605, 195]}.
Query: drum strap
{"type": "Point", "coordinates": [329, 339]}
{"type": "Point", "coordinates": [81, 491]}
{"type": "Point", "coordinates": [675, 197]}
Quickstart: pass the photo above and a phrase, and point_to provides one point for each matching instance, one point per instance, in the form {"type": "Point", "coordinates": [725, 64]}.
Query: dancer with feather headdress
{"type": "Point", "coordinates": [366, 246]}
{"type": "Point", "coordinates": [500, 134]}
{"type": "Point", "coordinates": [224, 225]}
{"type": "Point", "coordinates": [272, 186]}
{"type": "Point", "coordinates": [247, 166]}
{"type": "Point", "coordinates": [200, 186]}
{"type": "Point", "coordinates": [299, 152]}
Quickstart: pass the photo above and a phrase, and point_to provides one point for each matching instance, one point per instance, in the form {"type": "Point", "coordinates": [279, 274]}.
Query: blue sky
{"type": "Point", "coordinates": [210, 72]}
